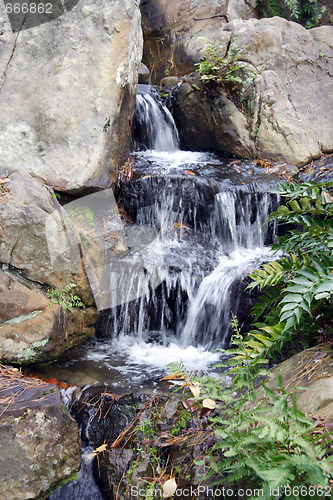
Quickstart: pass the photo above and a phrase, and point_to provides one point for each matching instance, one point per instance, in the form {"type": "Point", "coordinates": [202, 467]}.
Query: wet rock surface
{"type": "Point", "coordinates": [102, 415]}
{"type": "Point", "coordinates": [39, 441]}
{"type": "Point", "coordinates": [318, 171]}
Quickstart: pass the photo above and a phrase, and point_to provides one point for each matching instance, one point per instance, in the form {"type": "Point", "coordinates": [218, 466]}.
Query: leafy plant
{"type": "Point", "coordinates": [262, 440]}
{"type": "Point", "coordinates": [213, 68]}
{"type": "Point", "coordinates": [82, 215]}
{"type": "Point", "coordinates": [306, 12]}
{"type": "Point", "coordinates": [65, 298]}
{"type": "Point", "coordinates": [298, 286]}
{"type": "Point", "coordinates": [225, 74]}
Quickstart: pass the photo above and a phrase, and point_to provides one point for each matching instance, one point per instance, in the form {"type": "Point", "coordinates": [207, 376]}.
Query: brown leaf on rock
{"type": "Point", "coordinates": [174, 376]}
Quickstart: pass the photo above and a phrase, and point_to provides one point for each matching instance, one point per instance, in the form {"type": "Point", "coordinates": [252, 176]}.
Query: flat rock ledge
{"type": "Point", "coordinates": [39, 441]}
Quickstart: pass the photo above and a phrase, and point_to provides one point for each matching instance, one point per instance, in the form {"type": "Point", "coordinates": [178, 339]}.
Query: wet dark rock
{"type": "Point", "coordinates": [123, 473]}
{"type": "Point", "coordinates": [193, 195]}
{"type": "Point", "coordinates": [109, 470]}
{"type": "Point", "coordinates": [144, 74]}
{"type": "Point", "coordinates": [102, 415]}
{"type": "Point", "coordinates": [318, 171]}
{"type": "Point", "coordinates": [39, 441]}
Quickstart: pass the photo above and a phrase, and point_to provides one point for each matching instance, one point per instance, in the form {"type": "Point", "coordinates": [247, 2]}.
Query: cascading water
{"type": "Point", "coordinates": [196, 231]}
{"type": "Point", "coordinates": [154, 127]}
{"type": "Point", "coordinates": [209, 234]}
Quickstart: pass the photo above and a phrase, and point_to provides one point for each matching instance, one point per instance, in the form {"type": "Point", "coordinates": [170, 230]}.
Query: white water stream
{"type": "Point", "coordinates": [206, 215]}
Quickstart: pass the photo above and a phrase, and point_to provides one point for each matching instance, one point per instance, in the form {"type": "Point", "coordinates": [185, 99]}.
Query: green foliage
{"type": "Point", "coordinates": [306, 12]}
{"type": "Point", "coordinates": [213, 68]}
{"type": "Point", "coordinates": [65, 298]}
{"type": "Point", "coordinates": [263, 441]}
{"type": "Point", "coordinates": [54, 195]}
{"type": "Point", "coordinates": [181, 423]}
{"type": "Point", "coordinates": [298, 286]}
{"type": "Point", "coordinates": [268, 444]}
{"type": "Point", "coordinates": [82, 215]}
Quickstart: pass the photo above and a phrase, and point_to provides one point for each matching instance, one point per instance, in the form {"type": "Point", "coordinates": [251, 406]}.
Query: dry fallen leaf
{"type": "Point", "coordinates": [178, 225]}
{"type": "Point", "coordinates": [190, 405]}
{"type": "Point", "coordinates": [173, 376]}
{"type": "Point", "coordinates": [195, 389]}
{"type": "Point", "coordinates": [328, 197]}
{"type": "Point", "coordinates": [120, 247]}
{"type": "Point", "coordinates": [101, 448]}
{"type": "Point", "coordinates": [169, 488]}
{"type": "Point", "coordinates": [209, 403]}
{"type": "Point", "coordinates": [96, 451]}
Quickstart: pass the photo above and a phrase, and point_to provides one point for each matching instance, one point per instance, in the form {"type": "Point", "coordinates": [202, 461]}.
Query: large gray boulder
{"type": "Point", "coordinates": [39, 441]}
{"type": "Point", "coordinates": [25, 207]}
{"type": "Point", "coordinates": [67, 94]}
{"type": "Point", "coordinates": [171, 31]}
{"type": "Point", "coordinates": [283, 108]}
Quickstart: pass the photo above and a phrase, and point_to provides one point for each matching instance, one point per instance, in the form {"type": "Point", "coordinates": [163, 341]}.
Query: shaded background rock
{"type": "Point", "coordinates": [171, 31]}
{"type": "Point", "coordinates": [144, 74]}
{"type": "Point", "coordinates": [282, 110]}
{"type": "Point", "coordinates": [67, 94]}
{"type": "Point", "coordinates": [39, 441]}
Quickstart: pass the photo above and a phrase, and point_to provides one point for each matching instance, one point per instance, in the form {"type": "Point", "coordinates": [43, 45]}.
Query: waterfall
{"type": "Point", "coordinates": [206, 243]}
{"type": "Point", "coordinates": [193, 231]}
{"type": "Point", "coordinates": [240, 218]}
{"type": "Point", "coordinates": [153, 124]}
{"type": "Point", "coordinates": [206, 223]}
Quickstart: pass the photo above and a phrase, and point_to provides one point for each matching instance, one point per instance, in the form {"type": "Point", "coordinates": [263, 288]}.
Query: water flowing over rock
{"type": "Point", "coordinates": [67, 94]}
{"type": "Point", "coordinates": [39, 441]}
{"type": "Point", "coordinates": [153, 124]}
{"type": "Point", "coordinates": [208, 232]}
{"type": "Point", "coordinates": [286, 108]}
{"type": "Point", "coordinates": [172, 29]}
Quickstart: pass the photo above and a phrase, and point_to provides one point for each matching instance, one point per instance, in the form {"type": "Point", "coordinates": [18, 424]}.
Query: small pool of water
{"type": "Point", "coordinates": [127, 365]}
